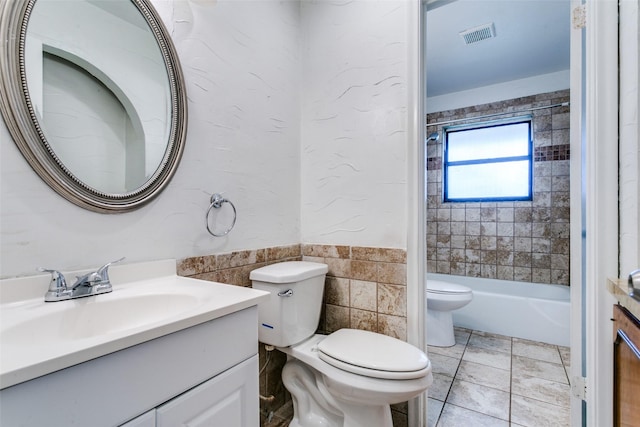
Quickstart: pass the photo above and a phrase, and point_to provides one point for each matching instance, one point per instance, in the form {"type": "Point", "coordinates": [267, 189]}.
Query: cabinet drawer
{"type": "Point", "coordinates": [626, 380]}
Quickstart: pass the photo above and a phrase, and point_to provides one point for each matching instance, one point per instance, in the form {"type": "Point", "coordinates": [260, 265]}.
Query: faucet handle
{"type": "Point", "coordinates": [103, 271]}
{"type": "Point", "coordinates": [100, 277]}
{"type": "Point", "coordinates": [58, 282]}
{"type": "Point", "coordinates": [89, 279]}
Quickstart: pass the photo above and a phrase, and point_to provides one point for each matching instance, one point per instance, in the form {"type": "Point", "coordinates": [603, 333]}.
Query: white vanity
{"type": "Point", "coordinates": [160, 350]}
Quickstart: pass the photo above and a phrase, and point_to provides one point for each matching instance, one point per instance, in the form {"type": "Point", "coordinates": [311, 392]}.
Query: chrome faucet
{"type": "Point", "coordinates": [94, 283]}
{"type": "Point", "coordinates": [634, 284]}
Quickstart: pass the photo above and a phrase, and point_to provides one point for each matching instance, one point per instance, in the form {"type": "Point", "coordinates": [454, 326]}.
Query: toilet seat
{"type": "Point", "coordinates": [438, 287]}
{"type": "Point", "coordinates": [348, 386]}
{"type": "Point", "coordinates": [373, 355]}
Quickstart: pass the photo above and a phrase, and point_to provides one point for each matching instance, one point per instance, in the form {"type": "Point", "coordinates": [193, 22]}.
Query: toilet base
{"type": "Point", "coordinates": [315, 406]}
{"type": "Point", "coordinates": [440, 328]}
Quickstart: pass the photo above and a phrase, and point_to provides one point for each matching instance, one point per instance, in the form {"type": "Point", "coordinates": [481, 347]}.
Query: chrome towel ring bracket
{"type": "Point", "coordinates": [216, 202]}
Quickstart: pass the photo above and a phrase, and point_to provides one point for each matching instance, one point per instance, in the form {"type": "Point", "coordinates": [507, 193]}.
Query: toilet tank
{"type": "Point", "coordinates": [292, 312]}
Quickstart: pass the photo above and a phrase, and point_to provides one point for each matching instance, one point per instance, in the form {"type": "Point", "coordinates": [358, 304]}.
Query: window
{"type": "Point", "coordinates": [488, 161]}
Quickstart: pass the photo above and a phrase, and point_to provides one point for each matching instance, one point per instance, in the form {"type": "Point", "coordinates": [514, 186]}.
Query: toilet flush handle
{"type": "Point", "coordinates": [287, 293]}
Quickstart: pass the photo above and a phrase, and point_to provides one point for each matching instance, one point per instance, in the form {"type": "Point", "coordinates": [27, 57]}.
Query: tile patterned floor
{"type": "Point", "coordinates": [493, 380]}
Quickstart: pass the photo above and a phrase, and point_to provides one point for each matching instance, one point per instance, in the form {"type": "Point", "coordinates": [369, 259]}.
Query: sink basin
{"type": "Point", "coordinates": [91, 317]}
{"type": "Point", "coordinates": [37, 338]}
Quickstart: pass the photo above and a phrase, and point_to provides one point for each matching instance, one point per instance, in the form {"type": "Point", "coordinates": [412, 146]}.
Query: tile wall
{"type": "Point", "coordinates": [521, 241]}
{"type": "Point", "coordinates": [365, 289]}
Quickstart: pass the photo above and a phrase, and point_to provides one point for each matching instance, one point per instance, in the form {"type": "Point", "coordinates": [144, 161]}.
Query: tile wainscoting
{"type": "Point", "coordinates": [233, 268]}
{"type": "Point", "coordinates": [365, 289]}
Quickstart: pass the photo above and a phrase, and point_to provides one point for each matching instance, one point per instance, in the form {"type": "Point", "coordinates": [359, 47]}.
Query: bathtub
{"type": "Point", "coordinates": [532, 311]}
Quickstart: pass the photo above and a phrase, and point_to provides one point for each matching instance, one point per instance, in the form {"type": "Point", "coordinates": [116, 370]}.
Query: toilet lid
{"type": "Point", "coordinates": [438, 287]}
{"type": "Point", "coordinates": [288, 272]}
{"type": "Point", "coordinates": [373, 355]}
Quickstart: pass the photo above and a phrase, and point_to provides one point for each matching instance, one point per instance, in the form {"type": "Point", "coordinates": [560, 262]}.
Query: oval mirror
{"type": "Point", "coordinates": [93, 95]}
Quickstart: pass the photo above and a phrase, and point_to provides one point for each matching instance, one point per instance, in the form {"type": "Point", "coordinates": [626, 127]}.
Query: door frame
{"type": "Point", "coordinates": [595, 208]}
{"type": "Point", "coordinates": [577, 290]}
{"type": "Point", "coordinates": [416, 195]}
{"type": "Point", "coordinates": [594, 205]}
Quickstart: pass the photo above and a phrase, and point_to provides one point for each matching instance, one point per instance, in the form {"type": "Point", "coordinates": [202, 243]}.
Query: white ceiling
{"type": "Point", "coordinates": [532, 38]}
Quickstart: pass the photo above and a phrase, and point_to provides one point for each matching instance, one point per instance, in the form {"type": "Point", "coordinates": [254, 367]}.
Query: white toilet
{"type": "Point", "coordinates": [348, 378]}
{"type": "Point", "coordinates": [442, 299]}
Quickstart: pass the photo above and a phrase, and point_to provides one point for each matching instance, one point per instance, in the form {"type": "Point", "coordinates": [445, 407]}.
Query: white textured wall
{"type": "Point", "coordinates": [629, 182]}
{"type": "Point", "coordinates": [266, 124]}
{"type": "Point", "coordinates": [354, 122]}
{"type": "Point", "coordinates": [242, 68]}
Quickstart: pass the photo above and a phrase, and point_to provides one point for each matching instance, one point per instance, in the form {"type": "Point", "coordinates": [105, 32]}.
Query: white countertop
{"type": "Point", "coordinates": [619, 289]}
{"type": "Point", "coordinates": [148, 301]}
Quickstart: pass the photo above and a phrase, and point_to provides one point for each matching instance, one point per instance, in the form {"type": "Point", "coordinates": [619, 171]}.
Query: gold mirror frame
{"type": "Point", "coordinates": [19, 116]}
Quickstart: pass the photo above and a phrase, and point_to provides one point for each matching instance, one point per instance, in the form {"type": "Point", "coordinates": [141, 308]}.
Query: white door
{"type": "Point", "coordinates": [229, 399]}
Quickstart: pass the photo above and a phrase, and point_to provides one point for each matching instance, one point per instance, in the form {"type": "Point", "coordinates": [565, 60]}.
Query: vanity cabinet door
{"type": "Point", "coordinates": [148, 419]}
{"type": "Point", "coordinates": [229, 399]}
{"type": "Point", "coordinates": [626, 359]}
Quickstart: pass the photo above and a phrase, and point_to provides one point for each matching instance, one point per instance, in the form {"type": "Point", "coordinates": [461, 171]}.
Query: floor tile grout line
{"type": "Point", "coordinates": [511, 382]}
{"type": "Point", "coordinates": [455, 374]}
{"type": "Point", "coordinates": [472, 410]}
{"type": "Point", "coordinates": [446, 398]}
{"type": "Point", "coordinates": [547, 379]}
{"type": "Point", "coordinates": [539, 360]}
{"type": "Point", "coordinates": [542, 401]}
{"type": "Point", "coordinates": [484, 385]}
{"type": "Point", "coordinates": [483, 364]}
{"type": "Point", "coordinates": [564, 366]}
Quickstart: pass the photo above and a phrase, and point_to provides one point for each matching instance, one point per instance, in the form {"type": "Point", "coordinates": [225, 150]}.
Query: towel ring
{"type": "Point", "coordinates": [216, 202]}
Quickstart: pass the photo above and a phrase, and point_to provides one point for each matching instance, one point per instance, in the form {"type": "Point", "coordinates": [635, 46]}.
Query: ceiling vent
{"type": "Point", "coordinates": [479, 33]}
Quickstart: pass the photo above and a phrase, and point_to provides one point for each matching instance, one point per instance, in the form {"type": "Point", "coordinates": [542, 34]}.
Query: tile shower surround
{"type": "Point", "coordinates": [365, 289]}
{"type": "Point", "coordinates": [521, 241]}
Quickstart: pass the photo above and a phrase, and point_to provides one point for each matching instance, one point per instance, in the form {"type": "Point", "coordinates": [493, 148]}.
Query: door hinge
{"type": "Point", "coordinates": [579, 17]}
{"type": "Point", "coordinates": [579, 387]}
